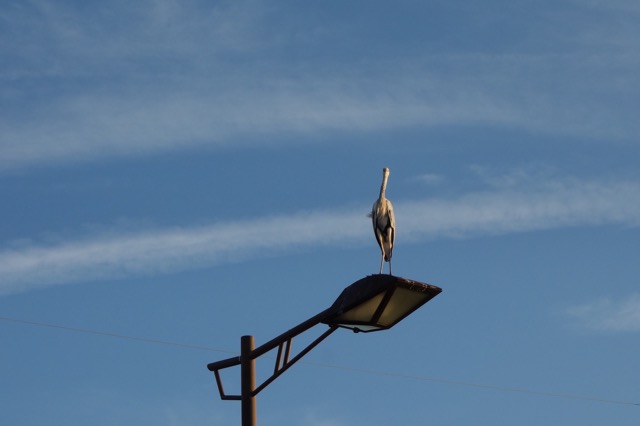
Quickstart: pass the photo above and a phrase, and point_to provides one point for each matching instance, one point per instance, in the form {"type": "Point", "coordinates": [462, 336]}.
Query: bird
{"type": "Point", "coordinates": [384, 222]}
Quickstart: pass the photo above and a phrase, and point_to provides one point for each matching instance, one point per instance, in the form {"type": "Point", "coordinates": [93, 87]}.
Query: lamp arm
{"type": "Point", "coordinates": [225, 363]}
{"type": "Point", "coordinates": [288, 335]}
{"type": "Point", "coordinates": [279, 369]}
{"type": "Point", "coordinates": [283, 343]}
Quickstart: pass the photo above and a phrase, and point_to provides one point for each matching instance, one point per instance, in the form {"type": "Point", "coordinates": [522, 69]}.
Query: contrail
{"type": "Point", "coordinates": [496, 212]}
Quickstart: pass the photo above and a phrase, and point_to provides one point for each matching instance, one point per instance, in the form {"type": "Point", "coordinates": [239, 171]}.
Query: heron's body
{"type": "Point", "coordinates": [384, 223]}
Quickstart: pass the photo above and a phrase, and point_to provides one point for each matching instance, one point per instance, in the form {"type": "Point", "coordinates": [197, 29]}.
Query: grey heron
{"type": "Point", "coordinates": [384, 223]}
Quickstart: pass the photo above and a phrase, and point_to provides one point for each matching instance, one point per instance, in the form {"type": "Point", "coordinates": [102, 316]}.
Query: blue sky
{"type": "Point", "coordinates": [174, 175]}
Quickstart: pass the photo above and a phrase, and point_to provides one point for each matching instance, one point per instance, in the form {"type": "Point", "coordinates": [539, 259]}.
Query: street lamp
{"type": "Point", "coordinates": [377, 302]}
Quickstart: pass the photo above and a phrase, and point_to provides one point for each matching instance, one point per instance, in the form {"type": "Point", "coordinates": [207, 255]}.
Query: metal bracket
{"type": "Point", "coordinates": [282, 362]}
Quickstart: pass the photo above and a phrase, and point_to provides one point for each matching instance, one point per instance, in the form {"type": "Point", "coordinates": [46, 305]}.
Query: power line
{"type": "Point", "coordinates": [333, 366]}
{"type": "Point", "coordinates": [474, 385]}
{"type": "Point", "coordinates": [116, 335]}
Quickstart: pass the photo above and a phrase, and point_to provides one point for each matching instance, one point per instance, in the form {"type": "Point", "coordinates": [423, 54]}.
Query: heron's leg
{"type": "Point", "coordinates": [381, 263]}
{"type": "Point", "coordinates": [389, 266]}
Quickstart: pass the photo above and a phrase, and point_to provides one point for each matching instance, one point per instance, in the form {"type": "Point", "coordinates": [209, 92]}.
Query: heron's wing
{"type": "Point", "coordinates": [392, 219]}
{"type": "Point", "coordinates": [391, 223]}
{"type": "Point", "coordinates": [373, 210]}
{"type": "Point", "coordinates": [376, 221]}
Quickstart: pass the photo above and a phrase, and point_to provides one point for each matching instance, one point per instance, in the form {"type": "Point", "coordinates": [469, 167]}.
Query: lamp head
{"type": "Point", "coordinates": [378, 302]}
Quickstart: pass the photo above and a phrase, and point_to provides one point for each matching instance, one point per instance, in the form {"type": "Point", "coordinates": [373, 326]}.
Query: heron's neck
{"type": "Point", "coordinates": [383, 187]}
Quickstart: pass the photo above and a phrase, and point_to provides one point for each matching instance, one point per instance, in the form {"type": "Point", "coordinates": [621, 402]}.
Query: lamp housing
{"type": "Point", "coordinates": [378, 302]}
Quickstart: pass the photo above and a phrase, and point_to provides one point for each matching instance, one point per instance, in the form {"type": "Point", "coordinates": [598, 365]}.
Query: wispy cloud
{"type": "Point", "coordinates": [606, 315]}
{"type": "Point", "coordinates": [547, 205]}
{"type": "Point", "coordinates": [428, 179]}
{"type": "Point", "coordinates": [90, 127]}
{"type": "Point", "coordinates": [83, 86]}
{"type": "Point", "coordinates": [168, 116]}
{"type": "Point", "coordinates": [167, 250]}
{"type": "Point", "coordinates": [550, 205]}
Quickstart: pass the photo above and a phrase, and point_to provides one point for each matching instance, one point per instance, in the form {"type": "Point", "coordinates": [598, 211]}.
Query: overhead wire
{"type": "Point", "coordinates": [109, 334]}
{"type": "Point", "coordinates": [474, 385]}
{"type": "Point", "coordinates": [323, 365]}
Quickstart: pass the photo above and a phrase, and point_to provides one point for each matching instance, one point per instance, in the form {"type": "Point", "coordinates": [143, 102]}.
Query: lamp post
{"type": "Point", "coordinates": [377, 302]}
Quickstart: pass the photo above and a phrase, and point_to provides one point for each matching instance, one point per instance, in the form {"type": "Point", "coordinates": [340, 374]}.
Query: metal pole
{"type": "Point", "coordinates": [248, 381]}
